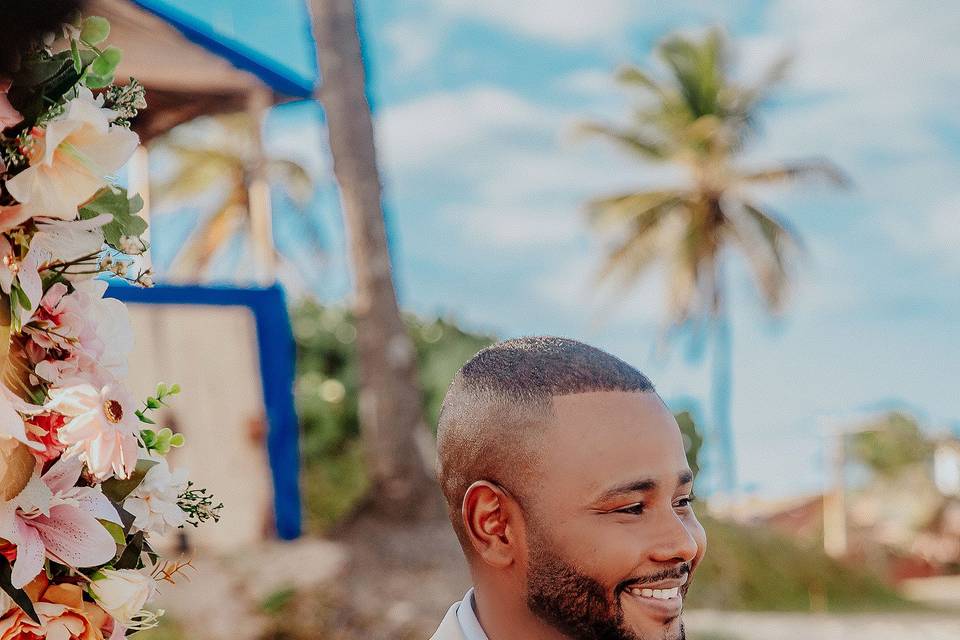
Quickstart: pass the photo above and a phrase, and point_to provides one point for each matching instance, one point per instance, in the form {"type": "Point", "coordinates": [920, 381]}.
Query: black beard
{"type": "Point", "coordinates": [573, 603]}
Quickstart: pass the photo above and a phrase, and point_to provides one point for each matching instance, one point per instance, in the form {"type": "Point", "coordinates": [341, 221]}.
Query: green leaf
{"type": "Point", "coordinates": [153, 403]}
{"type": "Point", "coordinates": [93, 81]}
{"type": "Point", "coordinates": [144, 418]}
{"type": "Point", "coordinates": [148, 436]}
{"type": "Point", "coordinates": [75, 54]}
{"type": "Point", "coordinates": [151, 554]}
{"type": "Point", "coordinates": [106, 63]}
{"type": "Point", "coordinates": [115, 202]}
{"type": "Point", "coordinates": [118, 490]}
{"type": "Point", "coordinates": [38, 71]}
{"type": "Point", "coordinates": [94, 30]}
{"type": "Point", "coordinates": [19, 596]}
{"type": "Point", "coordinates": [116, 531]}
{"type": "Point", "coordinates": [174, 390]}
{"type": "Point", "coordinates": [177, 440]}
{"type": "Point", "coordinates": [22, 298]}
{"type": "Point", "coordinates": [130, 558]}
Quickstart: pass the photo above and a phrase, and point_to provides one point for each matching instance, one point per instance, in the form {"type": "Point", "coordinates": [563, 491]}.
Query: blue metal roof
{"type": "Point", "coordinates": [282, 77]}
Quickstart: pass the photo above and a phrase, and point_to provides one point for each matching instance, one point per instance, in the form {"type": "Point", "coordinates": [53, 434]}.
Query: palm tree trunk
{"type": "Point", "coordinates": [722, 385]}
{"type": "Point", "coordinates": [391, 413]}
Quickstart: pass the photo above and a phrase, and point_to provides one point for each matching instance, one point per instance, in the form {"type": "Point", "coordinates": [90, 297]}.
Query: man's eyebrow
{"type": "Point", "coordinates": [642, 486]}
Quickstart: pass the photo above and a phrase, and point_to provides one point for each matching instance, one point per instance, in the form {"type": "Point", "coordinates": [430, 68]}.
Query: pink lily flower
{"type": "Point", "coordinates": [53, 518]}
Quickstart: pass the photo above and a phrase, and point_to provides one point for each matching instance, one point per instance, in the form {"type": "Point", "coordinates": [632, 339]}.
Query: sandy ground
{"type": "Point", "coordinates": [784, 626]}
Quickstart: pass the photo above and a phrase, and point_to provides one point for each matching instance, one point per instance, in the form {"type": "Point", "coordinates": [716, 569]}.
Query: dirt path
{"type": "Point", "coordinates": [716, 625]}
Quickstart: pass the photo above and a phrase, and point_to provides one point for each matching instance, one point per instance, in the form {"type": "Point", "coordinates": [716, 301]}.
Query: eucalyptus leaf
{"type": "Point", "coordinates": [19, 596]}
{"type": "Point", "coordinates": [106, 63]}
{"type": "Point", "coordinates": [94, 30]}
{"type": "Point", "coordinates": [115, 202]}
{"type": "Point", "coordinates": [118, 490]}
{"type": "Point", "coordinates": [94, 81]}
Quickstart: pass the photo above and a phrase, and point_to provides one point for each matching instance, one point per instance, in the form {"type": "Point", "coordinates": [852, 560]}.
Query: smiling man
{"type": "Point", "coordinates": [569, 490]}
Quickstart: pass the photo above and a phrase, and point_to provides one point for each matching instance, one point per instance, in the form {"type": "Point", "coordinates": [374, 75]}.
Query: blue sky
{"type": "Point", "coordinates": [475, 107]}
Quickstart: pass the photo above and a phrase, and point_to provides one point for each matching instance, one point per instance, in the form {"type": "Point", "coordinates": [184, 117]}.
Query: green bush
{"type": "Point", "coordinates": [327, 391]}
{"type": "Point", "coordinates": [756, 569]}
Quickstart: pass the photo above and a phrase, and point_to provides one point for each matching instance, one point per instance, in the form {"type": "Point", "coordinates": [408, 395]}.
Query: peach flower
{"type": "Point", "coordinates": [72, 158]}
{"type": "Point", "coordinates": [63, 613]}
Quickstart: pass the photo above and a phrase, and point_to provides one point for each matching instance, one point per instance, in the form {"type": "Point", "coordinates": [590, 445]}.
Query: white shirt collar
{"type": "Point", "coordinates": [467, 617]}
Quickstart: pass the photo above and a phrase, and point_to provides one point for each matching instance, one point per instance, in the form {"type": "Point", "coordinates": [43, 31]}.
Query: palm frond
{"type": "Point", "coordinates": [699, 69]}
{"type": "Point", "coordinates": [293, 177]}
{"type": "Point", "coordinates": [634, 76]}
{"type": "Point", "coordinates": [685, 275]}
{"type": "Point", "coordinates": [636, 207]}
{"type": "Point", "coordinates": [769, 244]}
{"type": "Point", "coordinates": [206, 240]}
{"type": "Point", "coordinates": [627, 260]}
{"type": "Point", "coordinates": [753, 95]}
{"type": "Point", "coordinates": [799, 170]}
{"type": "Point", "coordinates": [206, 154]}
{"type": "Point", "coordinates": [636, 142]}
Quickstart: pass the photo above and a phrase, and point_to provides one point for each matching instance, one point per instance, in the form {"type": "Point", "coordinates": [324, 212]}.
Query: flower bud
{"type": "Point", "coordinates": [123, 593]}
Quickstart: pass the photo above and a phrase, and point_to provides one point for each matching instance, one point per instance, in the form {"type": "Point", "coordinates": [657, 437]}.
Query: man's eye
{"type": "Point", "coordinates": [685, 502]}
{"type": "Point", "coordinates": [634, 509]}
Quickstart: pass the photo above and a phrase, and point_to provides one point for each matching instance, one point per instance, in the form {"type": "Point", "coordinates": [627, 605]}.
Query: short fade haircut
{"type": "Point", "coordinates": [501, 398]}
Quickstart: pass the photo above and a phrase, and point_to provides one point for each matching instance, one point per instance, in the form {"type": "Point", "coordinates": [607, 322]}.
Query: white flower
{"type": "Point", "coordinates": [123, 593]}
{"type": "Point", "coordinates": [54, 240]}
{"type": "Point", "coordinates": [102, 430]}
{"type": "Point", "coordinates": [75, 154]}
{"type": "Point", "coordinates": [154, 503]}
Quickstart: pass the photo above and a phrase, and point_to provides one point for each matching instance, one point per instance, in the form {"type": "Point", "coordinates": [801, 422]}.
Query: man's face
{"type": "Point", "coordinates": [612, 538]}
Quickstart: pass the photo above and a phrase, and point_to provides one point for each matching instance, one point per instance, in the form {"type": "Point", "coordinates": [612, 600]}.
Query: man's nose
{"type": "Point", "coordinates": [674, 541]}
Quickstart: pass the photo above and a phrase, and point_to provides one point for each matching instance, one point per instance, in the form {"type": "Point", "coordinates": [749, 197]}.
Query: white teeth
{"type": "Point", "coordinates": [658, 594]}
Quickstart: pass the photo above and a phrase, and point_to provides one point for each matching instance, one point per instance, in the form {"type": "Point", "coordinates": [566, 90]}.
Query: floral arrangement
{"type": "Point", "coordinates": [84, 482]}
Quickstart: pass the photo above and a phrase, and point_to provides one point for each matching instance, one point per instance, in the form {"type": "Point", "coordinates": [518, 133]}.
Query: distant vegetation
{"type": "Point", "coordinates": [755, 569]}
{"type": "Point", "coordinates": [327, 393]}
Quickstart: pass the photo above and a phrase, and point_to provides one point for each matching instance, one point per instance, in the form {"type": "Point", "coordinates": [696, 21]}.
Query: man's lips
{"type": "Point", "coordinates": [661, 604]}
{"type": "Point", "coordinates": [669, 583]}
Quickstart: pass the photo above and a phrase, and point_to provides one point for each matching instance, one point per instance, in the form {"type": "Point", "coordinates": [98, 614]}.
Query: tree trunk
{"type": "Point", "coordinates": [722, 386]}
{"type": "Point", "coordinates": [391, 412]}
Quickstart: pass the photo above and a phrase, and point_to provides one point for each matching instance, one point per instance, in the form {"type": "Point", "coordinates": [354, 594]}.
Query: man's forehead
{"type": "Point", "coordinates": [599, 439]}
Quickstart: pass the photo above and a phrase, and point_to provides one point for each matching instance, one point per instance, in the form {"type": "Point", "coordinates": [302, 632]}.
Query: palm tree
{"type": "Point", "coordinates": [391, 409]}
{"type": "Point", "coordinates": [217, 157]}
{"type": "Point", "coordinates": [699, 119]}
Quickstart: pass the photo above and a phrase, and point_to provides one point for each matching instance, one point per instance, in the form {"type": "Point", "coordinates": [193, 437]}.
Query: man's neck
{"type": "Point", "coordinates": [505, 616]}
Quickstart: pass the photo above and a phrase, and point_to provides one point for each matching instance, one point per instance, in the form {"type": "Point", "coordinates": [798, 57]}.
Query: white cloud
{"type": "Point", "coordinates": [931, 233]}
{"type": "Point", "coordinates": [517, 227]}
{"type": "Point", "coordinates": [439, 125]}
{"type": "Point", "coordinates": [412, 44]}
{"type": "Point", "coordinates": [589, 82]}
{"type": "Point", "coordinates": [564, 21]}
{"type": "Point", "coordinates": [573, 287]}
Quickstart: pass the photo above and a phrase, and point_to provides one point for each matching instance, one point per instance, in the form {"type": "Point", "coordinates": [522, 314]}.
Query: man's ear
{"type": "Point", "coordinates": [493, 522]}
